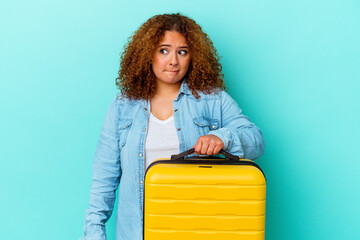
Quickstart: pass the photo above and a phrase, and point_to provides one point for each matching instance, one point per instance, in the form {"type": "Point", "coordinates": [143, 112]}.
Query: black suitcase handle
{"type": "Point", "coordinates": [181, 156]}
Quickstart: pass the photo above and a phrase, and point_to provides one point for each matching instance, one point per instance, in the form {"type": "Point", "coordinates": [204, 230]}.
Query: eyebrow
{"type": "Point", "coordinates": [167, 45]}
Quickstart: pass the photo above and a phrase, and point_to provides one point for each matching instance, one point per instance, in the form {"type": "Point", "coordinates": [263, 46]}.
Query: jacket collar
{"type": "Point", "coordinates": [184, 88]}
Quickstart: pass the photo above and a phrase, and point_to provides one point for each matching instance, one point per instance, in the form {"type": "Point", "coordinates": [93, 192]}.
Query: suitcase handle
{"type": "Point", "coordinates": [181, 156]}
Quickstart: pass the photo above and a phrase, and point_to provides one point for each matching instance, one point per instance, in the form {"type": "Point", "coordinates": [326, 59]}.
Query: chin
{"type": "Point", "coordinates": [173, 81]}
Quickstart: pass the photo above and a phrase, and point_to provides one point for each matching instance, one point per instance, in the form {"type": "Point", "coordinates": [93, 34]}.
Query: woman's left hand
{"type": "Point", "coordinates": [208, 145]}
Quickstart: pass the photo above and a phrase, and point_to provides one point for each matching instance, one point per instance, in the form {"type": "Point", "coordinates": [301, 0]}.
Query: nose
{"type": "Point", "coordinates": [173, 59]}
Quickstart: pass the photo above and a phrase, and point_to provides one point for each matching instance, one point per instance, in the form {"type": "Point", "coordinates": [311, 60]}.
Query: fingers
{"type": "Point", "coordinates": [198, 146]}
{"type": "Point", "coordinates": [208, 145]}
{"type": "Point", "coordinates": [210, 149]}
{"type": "Point", "coordinates": [217, 149]}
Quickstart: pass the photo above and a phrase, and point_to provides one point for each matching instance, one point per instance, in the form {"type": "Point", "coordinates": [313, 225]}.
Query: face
{"type": "Point", "coordinates": [171, 58]}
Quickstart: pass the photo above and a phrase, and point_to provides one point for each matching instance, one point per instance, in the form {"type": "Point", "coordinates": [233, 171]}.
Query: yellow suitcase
{"type": "Point", "coordinates": [204, 199]}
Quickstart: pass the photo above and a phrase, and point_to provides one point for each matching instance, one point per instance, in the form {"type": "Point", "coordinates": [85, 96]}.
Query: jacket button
{"type": "Point", "coordinates": [144, 130]}
{"type": "Point", "coordinates": [179, 129]}
{"type": "Point", "coordinates": [145, 109]}
{"type": "Point", "coordinates": [200, 124]}
{"type": "Point", "coordinates": [141, 181]}
{"type": "Point", "coordinates": [140, 155]}
{"type": "Point", "coordinates": [213, 126]}
{"type": "Point", "coordinates": [175, 110]}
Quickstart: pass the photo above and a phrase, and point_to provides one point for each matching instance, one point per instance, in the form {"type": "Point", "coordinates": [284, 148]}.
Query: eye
{"type": "Point", "coordinates": [182, 52]}
{"type": "Point", "coordinates": [163, 51]}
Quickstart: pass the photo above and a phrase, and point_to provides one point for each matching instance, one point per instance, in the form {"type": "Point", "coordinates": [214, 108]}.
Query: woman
{"type": "Point", "coordinates": [171, 99]}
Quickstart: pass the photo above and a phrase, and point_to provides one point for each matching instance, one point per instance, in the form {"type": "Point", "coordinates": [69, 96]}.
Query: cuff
{"type": "Point", "coordinates": [94, 232]}
{"type": "Point", "coordinates": [224, 135]}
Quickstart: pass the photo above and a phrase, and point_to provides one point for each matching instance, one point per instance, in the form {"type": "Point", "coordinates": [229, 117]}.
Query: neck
{"type": "Point", "coordinates": [167, 90]}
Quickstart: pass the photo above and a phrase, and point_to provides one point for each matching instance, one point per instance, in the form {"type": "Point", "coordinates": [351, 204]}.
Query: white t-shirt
{"type": "Point", "coordinates": [161, 139]}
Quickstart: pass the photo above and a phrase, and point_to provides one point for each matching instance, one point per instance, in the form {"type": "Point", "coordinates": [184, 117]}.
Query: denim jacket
{"type": "Point", "coordinates": [119, 158]}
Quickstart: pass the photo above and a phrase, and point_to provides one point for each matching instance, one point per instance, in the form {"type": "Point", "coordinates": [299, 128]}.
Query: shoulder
{"type": "Point", "coordinates": [223, 100]}
{"type": "Point", "coordinates": [125, 104]}
{"type": "Point", "coordinates": [121, 105]}
{"type": "Point", "coordinates": [218, 94]}
{"type": "Point", "coordinates": [120, 99]}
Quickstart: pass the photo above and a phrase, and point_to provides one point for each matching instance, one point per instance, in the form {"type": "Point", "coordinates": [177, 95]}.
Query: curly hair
{"type": "Point", "coordinates": [136, 79]}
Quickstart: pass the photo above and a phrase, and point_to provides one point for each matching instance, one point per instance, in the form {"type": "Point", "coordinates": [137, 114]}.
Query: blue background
{"type": "Point", "coordinates": [293, 67]}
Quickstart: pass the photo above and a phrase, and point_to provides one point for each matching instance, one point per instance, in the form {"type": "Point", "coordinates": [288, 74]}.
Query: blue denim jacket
{"type": "Point", "coordinates": [119, 158]}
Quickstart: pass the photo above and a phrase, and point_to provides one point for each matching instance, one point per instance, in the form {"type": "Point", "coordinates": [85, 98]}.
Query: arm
{"type": "Point", "coordinates": [105, 177]}
{"type": "Point", "coordinates": [240, 136]}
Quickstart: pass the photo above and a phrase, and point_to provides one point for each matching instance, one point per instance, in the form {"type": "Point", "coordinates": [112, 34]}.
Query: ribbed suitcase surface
{"type": "Point", "coordinates": [203, 200]}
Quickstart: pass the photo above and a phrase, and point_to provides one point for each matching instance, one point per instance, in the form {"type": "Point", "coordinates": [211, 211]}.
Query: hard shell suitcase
{"type": "Point", "coordinates": [204, 199]}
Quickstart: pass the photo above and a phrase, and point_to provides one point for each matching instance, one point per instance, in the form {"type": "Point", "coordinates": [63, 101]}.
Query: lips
{"type": "Point", "coordinates": [176, 71]}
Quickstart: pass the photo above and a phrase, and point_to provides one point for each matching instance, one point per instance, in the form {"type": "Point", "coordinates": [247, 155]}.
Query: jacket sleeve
{"type": "Point", "coordinates": [240, 136]}
{"type": "Point", "coordinates": [106, 173]}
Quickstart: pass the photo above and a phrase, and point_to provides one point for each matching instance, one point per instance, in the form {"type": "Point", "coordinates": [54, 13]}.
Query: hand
{"type": "Point", "coordinates": [208, 145]}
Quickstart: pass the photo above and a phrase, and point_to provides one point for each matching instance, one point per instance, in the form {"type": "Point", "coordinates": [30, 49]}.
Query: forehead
{"type": "Point", "coordinates": [173, 38]}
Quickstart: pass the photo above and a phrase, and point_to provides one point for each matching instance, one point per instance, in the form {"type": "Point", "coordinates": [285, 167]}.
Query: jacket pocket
{"type": "Point", "coordinates": [124, 127]}
{"type": "Point", "coordinates": [205, 124]}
